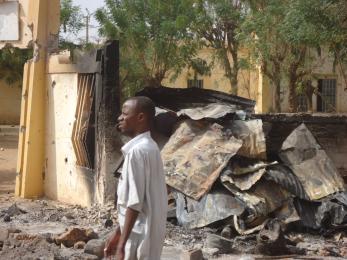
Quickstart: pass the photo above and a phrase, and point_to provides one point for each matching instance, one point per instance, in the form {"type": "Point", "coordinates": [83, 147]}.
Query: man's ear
{"type": "Point", "coordinates": [141, 116]}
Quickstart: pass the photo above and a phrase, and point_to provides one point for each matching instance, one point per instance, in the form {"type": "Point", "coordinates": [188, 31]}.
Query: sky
{"type": "Point", "coordinates": [91, 5]}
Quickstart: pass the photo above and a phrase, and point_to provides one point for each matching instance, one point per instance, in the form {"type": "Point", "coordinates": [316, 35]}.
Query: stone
{"type": "Point", "coordinates": [85, 256]}
{"type": "Point", "coordinates": [3, 234]}
{"type": "Point", "coordinates": [73, 235]}
{"type": "Point", "coordinates": [69, 216]}
{"type": "Point", "coordinates": [25, 237]}
{"type": "Point", "coordinates": [343, 251]}
{"type": "Point", "coordinates": [108, 223]}
{"type": "Point", "coordinates": [91, 234]}
{"type": "Point", "coordinates": [194, 254]}
{"type": "Point", "coordinates": [210, 251]}
{"type": "Point", "coordinates": [79, 245]}
{"type": "Point", "coordinates": [7, 218]}
{"type": "Point", "coordinates": [95, 247]}
{"type": "Point", "coordinates": [223, 244]}
{"type": "Point", "coordinates": [14, 230]}
{"type": "Point", "coordinates": [14, 210]}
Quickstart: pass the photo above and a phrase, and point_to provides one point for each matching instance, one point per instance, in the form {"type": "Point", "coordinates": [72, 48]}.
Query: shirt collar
{"type": "Point", "coordinates": [127, 147]}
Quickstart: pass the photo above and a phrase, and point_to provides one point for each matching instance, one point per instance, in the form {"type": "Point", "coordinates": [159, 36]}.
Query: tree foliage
{"type": "Point", "coordinates": [285, 37]}
{"type": "Point", "coordinates": [12, 62]}
{"type": "Point", "coordinates": [154, 37]}
{"type": "Point", "coordinates": [218, 24]}
{"type": "Point", "coordinates": [71, 17]}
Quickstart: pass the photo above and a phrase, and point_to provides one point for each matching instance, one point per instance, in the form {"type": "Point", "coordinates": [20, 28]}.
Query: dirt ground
{"type": "Point", "coordinates": [32, 227]}
{"type": "Point", "coordinates": [8, 160]}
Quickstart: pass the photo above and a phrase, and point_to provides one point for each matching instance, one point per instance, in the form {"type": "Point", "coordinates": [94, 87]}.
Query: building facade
{"type": "Point", "coordinates": [329, 81]}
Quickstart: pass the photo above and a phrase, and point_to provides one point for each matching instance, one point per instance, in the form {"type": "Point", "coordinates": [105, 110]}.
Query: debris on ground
{"type": "Point", "coordinates": [216, 163]}
{"type": "Point", "coordinates": [229, 196]}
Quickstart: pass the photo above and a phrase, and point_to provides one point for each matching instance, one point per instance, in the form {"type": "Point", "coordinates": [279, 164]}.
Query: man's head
{"type": "Point", "coordinates": [137, 116]}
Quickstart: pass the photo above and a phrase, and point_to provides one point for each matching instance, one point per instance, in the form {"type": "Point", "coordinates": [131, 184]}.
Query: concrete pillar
{"type": "Point", "coordinates": [44, 15]}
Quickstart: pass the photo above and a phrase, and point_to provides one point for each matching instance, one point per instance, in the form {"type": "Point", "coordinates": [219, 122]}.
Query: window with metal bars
{"type": "Point", "coordinates": [326, 99]}
{"type": "Point", "coordinates": [195, 83]}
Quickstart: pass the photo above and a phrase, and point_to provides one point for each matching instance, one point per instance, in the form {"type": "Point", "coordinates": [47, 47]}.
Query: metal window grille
{"type": "Point", "coordinates": [327, 97]}
{"type": "Point", "coordinates": [195, 83]}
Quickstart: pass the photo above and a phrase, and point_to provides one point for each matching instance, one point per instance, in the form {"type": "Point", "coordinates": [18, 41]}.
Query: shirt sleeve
{"type": "Point", "coordinates": [136, 180]}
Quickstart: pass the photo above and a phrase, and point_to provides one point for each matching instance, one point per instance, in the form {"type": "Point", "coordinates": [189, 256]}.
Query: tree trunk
{"type": "Point", "coordinates": [153, 82]}
{"type": "Point", "coordinates": [277, 96]}
{"type": "Point", "coordinates": [235, 72]}
{"type": "Point", "coordinates": [230, 72]}
{"type": "Point", "coordinates": [293, 98]}
{"type": "Point", "coordinates": [233, 83]}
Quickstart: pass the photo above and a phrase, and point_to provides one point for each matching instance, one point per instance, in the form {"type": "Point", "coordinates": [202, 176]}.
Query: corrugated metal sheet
{"type": "Point", "coordinates": [260, 200]}
{"type": "Point", "coordinates": [213, 110]}
{"type": "Point", "coordinates": [245, 181]}
{"type": "Point", "coordinates": [252, 135]}
{"type": "Point", "coordinates": [283, 176]}
{"type": "Point", "coordinates": [217, 205]}
{"type": "Point", "coordinates": [179, 98]}
{"type": "Point", "coordinates": [309, 162]}
{"type": "Point", "coordinates": [195, 155]}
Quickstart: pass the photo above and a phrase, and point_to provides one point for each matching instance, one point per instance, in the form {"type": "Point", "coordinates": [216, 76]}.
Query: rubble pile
{"type": "Point", "coordinates": [215, 161]}
{"type": "Point", "coordinates": [44, 229]}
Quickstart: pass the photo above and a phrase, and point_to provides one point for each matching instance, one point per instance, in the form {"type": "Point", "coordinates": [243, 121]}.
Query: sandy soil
{"type": "Point", "coordinates": [8, 161]}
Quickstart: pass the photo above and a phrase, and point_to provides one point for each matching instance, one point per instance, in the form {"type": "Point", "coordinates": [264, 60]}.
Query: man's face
{"type": "Point", "coordinates": [128, 120]}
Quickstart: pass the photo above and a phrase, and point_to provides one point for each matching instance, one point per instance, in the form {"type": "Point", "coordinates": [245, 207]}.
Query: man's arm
{"type": "Point", "coordinates": [112, 242]}
{"type": "Point", "coordinates": [130, 218]}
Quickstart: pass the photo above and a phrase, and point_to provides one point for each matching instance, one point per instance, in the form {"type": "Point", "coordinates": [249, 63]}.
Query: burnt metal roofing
{"type": "Point", "coordinates": [178, 98]}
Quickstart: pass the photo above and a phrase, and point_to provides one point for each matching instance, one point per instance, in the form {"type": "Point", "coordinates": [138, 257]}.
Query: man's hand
{"type": "Point", "coordinates": [111, 244]}
{"type": "Point", "coordinates": [120, 254]}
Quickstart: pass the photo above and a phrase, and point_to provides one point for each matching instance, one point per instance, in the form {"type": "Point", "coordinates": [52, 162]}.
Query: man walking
{"type": "Point", "coordinates": [142, 194]}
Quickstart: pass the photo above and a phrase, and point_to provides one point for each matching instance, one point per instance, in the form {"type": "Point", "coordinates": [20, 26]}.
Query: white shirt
{"type": "Point", "coordinates": [142, 187]}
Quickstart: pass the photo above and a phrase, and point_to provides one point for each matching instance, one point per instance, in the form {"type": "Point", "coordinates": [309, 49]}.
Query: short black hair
{"type": "Point", "coordinates": [144, 105]}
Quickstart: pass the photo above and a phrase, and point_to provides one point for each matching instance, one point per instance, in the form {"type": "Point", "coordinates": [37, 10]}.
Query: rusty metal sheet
{"type": "Point", "coordinates": [245, 181]}
{"type": "Point", "coordinates": [260, 199]}
{"type": "Point", "coordinates": [213, 110]}
{"type": "Point", "coordinates": [323, 214]}
{"type": "Point", "coordinates": [283, 176]}
{"type": "Point", "coordinates": [310, 163]}
{"type": "Point", "coordinates": [179, 98]}
{"type": "Point", "coordinates": [240, 165]}
{"type": "Point", "coordinates": [253, 137]}
{"type": "Point", "coordinates": [195, 155]}
{"type": "Point", "coordinates": [217, 205]}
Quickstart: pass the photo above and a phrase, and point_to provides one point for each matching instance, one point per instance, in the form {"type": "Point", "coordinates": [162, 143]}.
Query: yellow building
{"type": "Point", "coordinates": [332, 84]}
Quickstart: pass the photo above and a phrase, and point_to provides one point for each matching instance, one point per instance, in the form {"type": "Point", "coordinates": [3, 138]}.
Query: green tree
{"type": "Point", "coordinates": [154, 36]}
{"type": "Point", "coordinates": [218, 24]}
{"type": "Point", "coordinates": [267, 47]}
{"type": "Point", "coordinates": [12, 62]}
{"type": "Point", "coordinates": [318, 24]}
{"type": "Point", "coordinates": [285, 36]}
{"type": "Point", "coordinates": [71, 21]}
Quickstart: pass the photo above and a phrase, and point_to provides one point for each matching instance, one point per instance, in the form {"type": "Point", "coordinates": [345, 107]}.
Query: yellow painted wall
{"type": "Point", "coordinates": [248, 80]}
{"type": "Point", "coordinates": [10, 99]}
{"type": "Point", "coordinates": [254, 85]}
